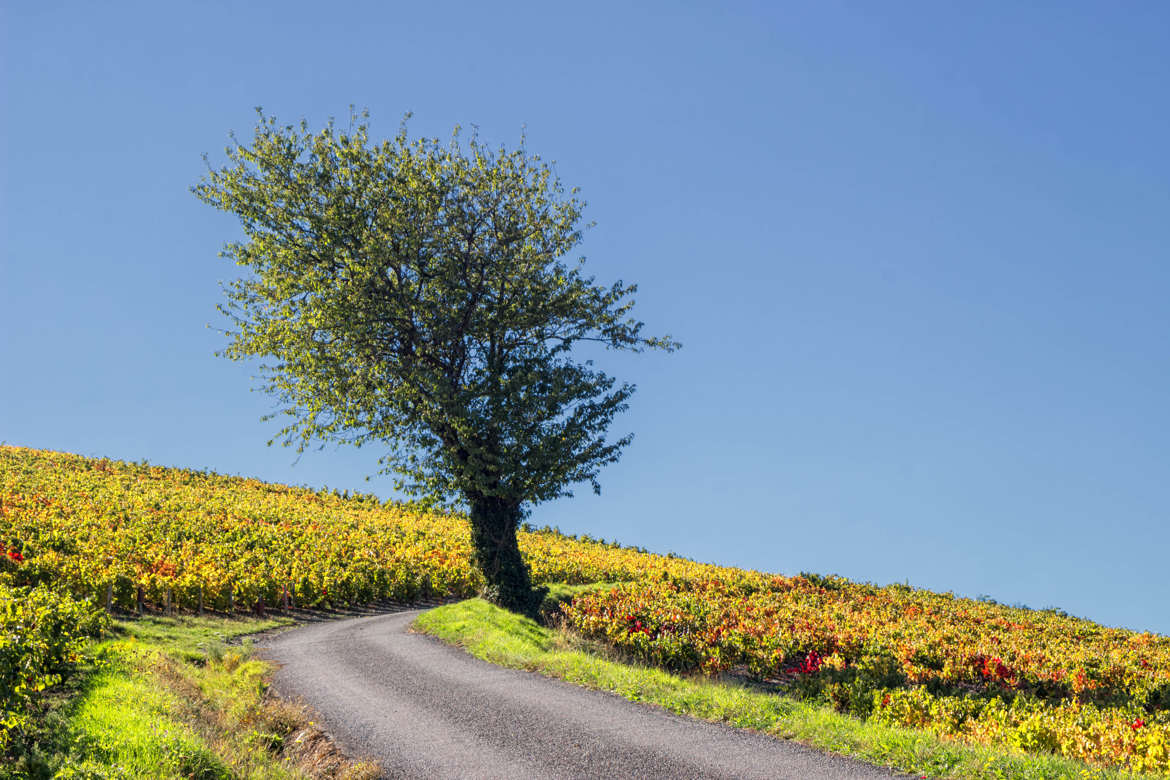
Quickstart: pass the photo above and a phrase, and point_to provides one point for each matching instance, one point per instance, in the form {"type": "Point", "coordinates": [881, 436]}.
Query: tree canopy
{"type": "Point", "coordinates": [418, 294]}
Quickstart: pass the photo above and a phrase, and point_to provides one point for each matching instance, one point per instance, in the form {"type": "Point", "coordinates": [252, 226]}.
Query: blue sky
{"type": "Point", "coordinates": [917, 254]}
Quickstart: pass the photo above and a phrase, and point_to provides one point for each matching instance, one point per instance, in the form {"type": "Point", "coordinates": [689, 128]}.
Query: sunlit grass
{"type": "Point", "coordinates": [178, 698]}
{"type": "Point", "coordinates": [128, 723]}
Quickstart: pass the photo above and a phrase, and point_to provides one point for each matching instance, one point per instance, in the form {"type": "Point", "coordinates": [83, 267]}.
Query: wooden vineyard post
{"type": "Point", "coordinates": [167, 603]}
{"type": "Point", "coordinates": [232, 599]}
{"type": "Point", "coordinates": [284, 599]}
{"type": "Point", "coordinates": [201, 599]}
{"type": "Point", "coordinates": [109, 597]}
{"type": "Point", "coordinates": [260, 606]}
{"type": "Point", "coordinates": [138, 600]}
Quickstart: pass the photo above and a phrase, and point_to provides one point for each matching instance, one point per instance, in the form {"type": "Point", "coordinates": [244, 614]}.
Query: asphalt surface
{"type": "Point", "coordinates": [428, 710]}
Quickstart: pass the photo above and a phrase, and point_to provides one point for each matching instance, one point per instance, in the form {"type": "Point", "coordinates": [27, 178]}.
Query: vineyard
{"type": "Point", "coordinates": [177, 538]}
{"type": "Point", "coordinates": [134, 537]}
{"type": "Point", "coordinates": [1038, 680]}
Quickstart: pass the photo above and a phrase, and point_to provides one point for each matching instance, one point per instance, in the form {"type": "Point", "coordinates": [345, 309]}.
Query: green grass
{"type": "Point", "coordinates": [176, 698]}
{"type": "Point", "coordinates": [129, 725]}
{"type": "Point", "coordinates": [507, 639]}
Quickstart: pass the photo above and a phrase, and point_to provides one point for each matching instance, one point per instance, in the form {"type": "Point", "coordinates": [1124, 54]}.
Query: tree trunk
{"type": "Point", "coordinates": [494, 523]}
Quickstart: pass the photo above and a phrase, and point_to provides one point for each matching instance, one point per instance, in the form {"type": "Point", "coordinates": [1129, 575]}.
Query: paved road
{"type": "Point", "coordinates": [428, 710]}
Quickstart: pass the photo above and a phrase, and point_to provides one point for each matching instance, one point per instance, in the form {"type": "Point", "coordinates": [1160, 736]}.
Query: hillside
{"type": "Point", "coordinates": [159, 538]}
{"type": "Point", "coordinates": [94, 524]}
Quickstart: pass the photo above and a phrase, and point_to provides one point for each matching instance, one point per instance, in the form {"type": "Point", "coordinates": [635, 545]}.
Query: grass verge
{"type": "Point", "coordinates": [506, 639]}
{"type": "Point", "coordinates": [171, 698]}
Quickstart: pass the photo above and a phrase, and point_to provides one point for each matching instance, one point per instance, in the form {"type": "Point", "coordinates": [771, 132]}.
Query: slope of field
{"type": "Point", "coordinates": [1036, 681]}
{"type": "Point", "coordinates": [1039, 681]}
{"type": "Point", "coordinates": [93, 525]}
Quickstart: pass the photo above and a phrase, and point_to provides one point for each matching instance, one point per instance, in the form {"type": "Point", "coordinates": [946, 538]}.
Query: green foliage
{"type": "Point", "coordinates": [43, 635]}
{"type": "Point", "coordinates": [413, 294]}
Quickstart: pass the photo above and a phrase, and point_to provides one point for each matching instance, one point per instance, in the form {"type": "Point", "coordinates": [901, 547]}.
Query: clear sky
{"type": "Point", "coordinates": [918, 255]}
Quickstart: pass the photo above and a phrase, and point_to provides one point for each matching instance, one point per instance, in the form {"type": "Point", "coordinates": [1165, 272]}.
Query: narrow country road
{"type": "Point", "coordinates": [427, 710]}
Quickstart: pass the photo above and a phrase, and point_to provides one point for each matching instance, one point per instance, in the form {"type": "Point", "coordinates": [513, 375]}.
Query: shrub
{"type": "Point", "coordinates": [42, 637]}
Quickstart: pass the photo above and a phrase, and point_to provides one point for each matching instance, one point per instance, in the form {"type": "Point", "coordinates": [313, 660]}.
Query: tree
{"type": "Point", "coordinates": [414, 294]}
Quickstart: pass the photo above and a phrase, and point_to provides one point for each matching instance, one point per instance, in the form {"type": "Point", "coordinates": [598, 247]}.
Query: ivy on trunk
{"type": "Point", "coordinates": [494, 523]}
